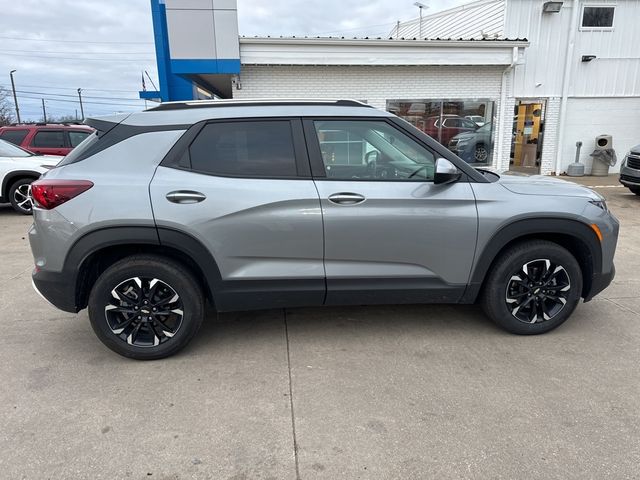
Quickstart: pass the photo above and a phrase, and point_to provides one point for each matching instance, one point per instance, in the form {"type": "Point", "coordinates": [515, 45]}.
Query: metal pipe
{"type": "Point", "coordinates": [503, 101]}
{"type": "Point", "coordinates": [565, 83]}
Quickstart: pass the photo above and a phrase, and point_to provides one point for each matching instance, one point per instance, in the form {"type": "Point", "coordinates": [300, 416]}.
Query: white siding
{"type": "Point", "coordinates": [615, 71]}
{"type": "Point", "coordinates": [377, 84]}
{"type": "Point", "coordinates": [589, 117]}
{"type": "Point", "coordinates": [338, 51]}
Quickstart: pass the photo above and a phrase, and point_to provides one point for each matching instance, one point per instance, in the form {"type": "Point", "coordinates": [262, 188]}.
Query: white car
{"type": "Point", "coordinates": [18, 168]}
{"type": "Point", "coordinates": [477, 119]}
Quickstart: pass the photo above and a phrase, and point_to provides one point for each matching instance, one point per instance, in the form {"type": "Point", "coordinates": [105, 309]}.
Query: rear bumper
{"type": "Point", "coordinates": [55, 288]}
{"type": "Point", "coordinates": [599, 282]}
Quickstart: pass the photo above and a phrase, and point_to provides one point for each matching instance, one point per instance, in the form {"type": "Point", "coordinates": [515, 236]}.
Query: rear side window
{"type": "Point", "coordinates": [77, 152]}
{"type": "Point", "coordinates": [48, 139]}
{"type": "Point", "coordinates": [14, 136]}
{"type": "Point", "coordinates": [76, 137]}
{"type": "Point", "coordinates": [253, 149]}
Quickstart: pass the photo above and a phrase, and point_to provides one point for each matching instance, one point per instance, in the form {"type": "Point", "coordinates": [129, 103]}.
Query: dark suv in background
{"type": "Point", "coordinates": [46, 138]}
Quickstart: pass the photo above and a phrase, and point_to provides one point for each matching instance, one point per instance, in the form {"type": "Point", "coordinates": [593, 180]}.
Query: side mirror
{"type": "Point", "coordinates": [446, 172]}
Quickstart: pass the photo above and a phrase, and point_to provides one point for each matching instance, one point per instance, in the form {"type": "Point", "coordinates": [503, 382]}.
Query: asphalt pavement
{"type": "Point", "coordinates": [391, 392]}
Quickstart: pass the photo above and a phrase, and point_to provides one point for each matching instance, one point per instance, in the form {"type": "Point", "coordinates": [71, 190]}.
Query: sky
{"type": "Point", "coordinates": [102, 47]}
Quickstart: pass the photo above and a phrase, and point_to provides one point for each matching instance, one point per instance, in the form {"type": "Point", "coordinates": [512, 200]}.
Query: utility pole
{"type": "Point", "coordinates": [81, 107]}
{"type": "Point", "coordinates": [15, 98]}
{"type": "Point", "coordinates": [44, 112]}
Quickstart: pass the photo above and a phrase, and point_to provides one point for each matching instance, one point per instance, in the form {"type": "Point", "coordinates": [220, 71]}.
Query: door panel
{"type": "Point", "coordinates": [264, 234]}
{"type": "Point", "coordinates": [391, 234]}
{"type": "Point", "coordinates": [417, 239]}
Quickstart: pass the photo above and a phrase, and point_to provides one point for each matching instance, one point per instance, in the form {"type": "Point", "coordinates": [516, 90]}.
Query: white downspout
{"type": "Point", "coordinates": [565, 82]}
{"type": "Point", "coordinates": [503, 100]}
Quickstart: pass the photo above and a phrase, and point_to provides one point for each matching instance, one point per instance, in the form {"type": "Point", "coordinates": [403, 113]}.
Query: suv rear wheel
{"type": "Point", "coordinates": [635, 190]}
{"type": "Point", "coordinates": [146, 307]}
{"type": "Point", "coordinates": [19, 196]}
{"type": "Point", "coordinates": [532, 288]}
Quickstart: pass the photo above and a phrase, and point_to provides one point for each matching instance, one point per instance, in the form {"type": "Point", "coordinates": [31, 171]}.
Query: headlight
{"type": "Point", "coordinates": [600, 204]}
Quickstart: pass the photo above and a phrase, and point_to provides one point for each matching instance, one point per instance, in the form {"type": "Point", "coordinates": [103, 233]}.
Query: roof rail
{"type": "Point", "coordinates": [255, 102]}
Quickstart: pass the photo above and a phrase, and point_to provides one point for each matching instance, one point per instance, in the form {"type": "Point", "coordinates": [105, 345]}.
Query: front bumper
{"type": "Point", "coordinates": [629, 177]}
{"type": "Point", "coordinates": [599, 282]}
{"type": "Point", "coordinates": [55, 288]}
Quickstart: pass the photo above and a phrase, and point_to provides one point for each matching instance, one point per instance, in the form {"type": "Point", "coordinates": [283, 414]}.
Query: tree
{"type": "Point", "coordinates": [6, 108]}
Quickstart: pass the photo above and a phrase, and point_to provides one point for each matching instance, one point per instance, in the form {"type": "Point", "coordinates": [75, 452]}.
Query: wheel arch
{"type": "Point", "coordinates": [577, 237]}
{"type": "Point", "coordinates": [11, 177]}
{"type": "Point", "coordinates": [93, 253]}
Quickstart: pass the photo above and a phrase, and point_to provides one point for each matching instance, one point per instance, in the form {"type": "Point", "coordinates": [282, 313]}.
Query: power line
{"type": "Point", "coordinates": [81, 53]}
{"type": "Point", "coordinates": [74, 41]}
{"type": "Point", "coordinates": [53, 57]}
{"type": "Point", "coordinates": [75, 101]}
{"type": "Point", "coordinates": [75, 96]}
{"type": "Point", "coordinates": [83, 89]}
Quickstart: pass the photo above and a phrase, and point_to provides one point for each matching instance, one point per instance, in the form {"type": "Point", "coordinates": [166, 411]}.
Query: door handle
{"type": "Point", "coordinates": [346, 198]}
{"type": "Point", "coordinates": [185, 196]}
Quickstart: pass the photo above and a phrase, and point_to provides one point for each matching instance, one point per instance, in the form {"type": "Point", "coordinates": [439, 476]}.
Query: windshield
{"type": "Point", "coordinates": [10, 150]}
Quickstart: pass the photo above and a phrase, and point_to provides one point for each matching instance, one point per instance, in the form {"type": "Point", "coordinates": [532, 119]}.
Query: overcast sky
{"type": "Point", "coordinates": [58, 46]}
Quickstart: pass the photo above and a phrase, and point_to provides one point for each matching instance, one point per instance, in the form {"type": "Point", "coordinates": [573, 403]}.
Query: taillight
{"type": "Point", "coordinates": [49, 194]}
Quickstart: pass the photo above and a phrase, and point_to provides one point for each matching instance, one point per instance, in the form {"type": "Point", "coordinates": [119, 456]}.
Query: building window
{"type": "Point", "coordinates": [597, 17]}
{"type": "Point", "coordinates": [466, 127]}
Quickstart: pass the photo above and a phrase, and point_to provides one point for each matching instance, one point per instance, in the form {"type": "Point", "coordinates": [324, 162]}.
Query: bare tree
{"type": "Point", "coordinates": [6, 107]}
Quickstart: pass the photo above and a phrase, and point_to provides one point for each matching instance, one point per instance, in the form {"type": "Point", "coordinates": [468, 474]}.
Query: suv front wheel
{"type": "Point", "coordinates": [146, 307]}
{"type": "Point", "coordinates": [533, 287]}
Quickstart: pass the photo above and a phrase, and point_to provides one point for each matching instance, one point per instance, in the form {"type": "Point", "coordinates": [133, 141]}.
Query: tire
{"type": "Point", "coordinates": [19, 196]}
{"type": "Point", "coordinates": [480, 154]}
{"type": "Point", "coordinates": [510, 301]}
{"type": "Point", "coordinates": [117, 310]}
{"type": "Point", "coordinates": [635, 190]}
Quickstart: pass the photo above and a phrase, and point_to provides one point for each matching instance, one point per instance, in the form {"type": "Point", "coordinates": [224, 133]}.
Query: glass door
{"type": "Point", "coordinates": [528, 132]}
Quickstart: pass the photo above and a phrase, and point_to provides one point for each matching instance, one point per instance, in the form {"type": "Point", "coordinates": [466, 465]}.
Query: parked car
{"type": "Point", "coordinates": [18, 168]}
{"type": "Point", "coordinates": [449, 126]}
{"type": "Point", "coordinates": [46, 138]}
{"type": "Point", "coordinates": [240, 203]}
{"type": "Point", "coordinates": [473, 147]}
{"type": "Point", "coordinates": [477, 119]}
{"type": "Point", "coordinates": [630, 170]}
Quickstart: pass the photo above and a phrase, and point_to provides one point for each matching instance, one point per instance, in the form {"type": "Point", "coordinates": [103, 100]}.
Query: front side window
{"type": "Point", "coordinates": [14, 136]}
{"type": "Point", "coordinates": [597, 17]}
{"type": "Point", "coordinates": [252, 149]}
{"type": "Point", "coordinates": [48, 139]}
{"type": "Point", "coordinates": [371, 150]}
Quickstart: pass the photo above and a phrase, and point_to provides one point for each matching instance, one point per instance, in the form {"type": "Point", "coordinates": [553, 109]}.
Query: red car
{"type": "Point", "coordinates": [46, 138]}
{"type": "Point", "coordinates": [450, 126]}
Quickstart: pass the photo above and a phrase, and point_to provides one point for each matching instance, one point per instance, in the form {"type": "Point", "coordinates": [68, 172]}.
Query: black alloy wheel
{"type": "Point", "coordinates": [532, 287]}
{"type": "Point", "coordinates": [146, 306]}
{"type": "Point", "coordinates": [144, 311]}
{"type": "Point", "coordinates": [538, 291]}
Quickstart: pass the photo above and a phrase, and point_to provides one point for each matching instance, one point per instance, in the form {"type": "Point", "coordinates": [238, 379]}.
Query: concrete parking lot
{"type": "Point", "coordinates": [398, 392]}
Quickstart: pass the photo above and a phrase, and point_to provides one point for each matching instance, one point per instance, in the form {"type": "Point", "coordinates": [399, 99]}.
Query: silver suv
{"type": "Point", "coordinates": [271, 204]}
